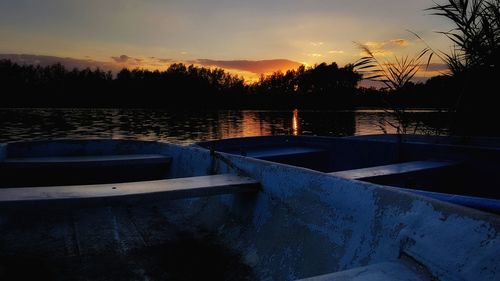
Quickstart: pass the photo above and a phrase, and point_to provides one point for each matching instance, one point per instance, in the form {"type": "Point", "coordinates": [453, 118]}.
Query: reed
{"type": "Point", "coordinates": [476, 35]}
{"type": "Point", "coordinates": [395, 75]}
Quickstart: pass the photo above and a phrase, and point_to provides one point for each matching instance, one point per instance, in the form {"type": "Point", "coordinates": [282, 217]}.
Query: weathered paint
{"type": "Point", "coordinates": [398, 168]}
{"type": "Point", "coordinates": [350, 224]}
{"type": "Point", "coordinates": [301, 224]}
{"type": "Point", "coordinates": [376, 272]}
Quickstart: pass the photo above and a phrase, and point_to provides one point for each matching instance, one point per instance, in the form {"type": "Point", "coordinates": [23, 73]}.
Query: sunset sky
{"type": "Point", "coordinates": [248, 37]}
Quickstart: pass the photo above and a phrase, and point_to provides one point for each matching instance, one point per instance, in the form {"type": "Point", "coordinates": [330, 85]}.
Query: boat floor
{"type": "Point", "coordinates": [122, 243]}
{"type": "Point", "coordinates": [182, 257]}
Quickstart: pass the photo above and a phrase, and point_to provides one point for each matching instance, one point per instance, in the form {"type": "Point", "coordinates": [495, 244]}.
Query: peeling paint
{"type": "Point", "coordinates": [301, 224]}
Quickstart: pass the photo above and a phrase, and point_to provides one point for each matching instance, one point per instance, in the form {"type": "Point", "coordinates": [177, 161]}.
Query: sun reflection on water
{"type": "Point", "coordinates": [295, 122]}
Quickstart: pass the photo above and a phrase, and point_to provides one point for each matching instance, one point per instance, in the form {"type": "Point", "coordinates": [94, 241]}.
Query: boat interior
{"type": "Point", "coordinates": [168, 212]}
{"type": "Point", "coordinates": [456, 166]}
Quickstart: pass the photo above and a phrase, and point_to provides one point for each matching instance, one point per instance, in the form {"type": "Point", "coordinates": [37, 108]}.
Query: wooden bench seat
{"type": "Point", "coordinates": [393, 169]}
{"type": "Point", "coordinates": [94, 160]}
{"type": "Point", "coordinates": [109, 193]}
{"type": "Point", "coordinates": [269, 152]}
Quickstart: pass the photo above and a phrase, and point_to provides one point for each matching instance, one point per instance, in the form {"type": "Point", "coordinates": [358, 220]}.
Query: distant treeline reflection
{"type": "Point", "coordinates": [324, 86]}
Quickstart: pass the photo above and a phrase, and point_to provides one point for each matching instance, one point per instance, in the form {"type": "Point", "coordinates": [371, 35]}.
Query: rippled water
{"type": "Point", "coordinates": [185, 127]}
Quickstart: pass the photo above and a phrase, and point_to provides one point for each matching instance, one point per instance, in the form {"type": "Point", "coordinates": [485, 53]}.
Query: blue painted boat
{"type": "Point", "coordinates": [133, 210]}
{"type": "Point", "coordinates": [458, 170]}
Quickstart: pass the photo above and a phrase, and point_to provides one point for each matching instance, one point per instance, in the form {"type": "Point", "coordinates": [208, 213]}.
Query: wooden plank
{"type": "Point", "coordinates": [394, 169]}
{"type": "Point", "coordinates": [89, 160]}
{"type": "Point", "coordinates": [110, 193]}
{"type": "Point", "coordinates": [278, 151]}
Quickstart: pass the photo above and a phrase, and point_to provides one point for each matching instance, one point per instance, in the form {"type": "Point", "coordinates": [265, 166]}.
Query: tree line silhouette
{"type": "Point", "coordinates": [55, 86]}
{"type": "Point", "coordinates": [323, 86]}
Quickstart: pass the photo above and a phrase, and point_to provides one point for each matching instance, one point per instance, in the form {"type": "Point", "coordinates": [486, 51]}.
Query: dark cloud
{"type": "Point", "coordinates": [258, 67]}
{"type": "Point", "coordinates": [117, 63]}
{"type": "Point", "coordinates": [377, 84]}
{"type": "Point", "coordinates": [443, 67]}
{"type": "Point", "coordinates": [124, 59]}
{"type": "Point", "coordinates": [121, 59]}
{"type": "Point", "coordinates": [164, 60]}
{"type": "Point", "coordinates": [67, 62]}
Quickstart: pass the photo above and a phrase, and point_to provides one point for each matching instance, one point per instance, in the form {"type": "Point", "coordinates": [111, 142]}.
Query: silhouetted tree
{"type": "Point", "coordinates": [321, 86]}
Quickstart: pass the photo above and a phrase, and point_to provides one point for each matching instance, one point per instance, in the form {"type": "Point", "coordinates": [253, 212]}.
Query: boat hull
{"type": "Point", "coordinates": [300, 223]}
{"type": "Point", "coordinates": [453, 169]}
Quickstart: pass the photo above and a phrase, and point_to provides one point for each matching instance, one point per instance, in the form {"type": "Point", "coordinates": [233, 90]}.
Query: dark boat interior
{"type": "Point", "coordinates": [455, 166]}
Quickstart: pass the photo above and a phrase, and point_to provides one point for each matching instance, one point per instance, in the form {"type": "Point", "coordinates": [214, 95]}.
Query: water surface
{"type": "Point", "coordinates": [188, 126]}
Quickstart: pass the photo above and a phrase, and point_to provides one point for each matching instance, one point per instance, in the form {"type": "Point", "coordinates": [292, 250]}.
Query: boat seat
{"type": "Point", "coordinates": [94, 160]}
{"type": "Point", "coordinates": [270, 152]}
{"type": "Point", "coordinates": [128, 192]}
{"type": "Point", "coordinates": [386, 271]}
{"type": "Point", "coordinates": [393, 169]}
{"type": "Point", "coordinates": [485, 204]}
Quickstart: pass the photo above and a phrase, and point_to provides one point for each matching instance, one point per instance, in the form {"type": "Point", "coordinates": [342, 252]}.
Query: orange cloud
{"type": "Point", "coordinates": [317, 44]}
{"type": "Point", "coordinates": [393, 43]}
{"type": "Point", "coordinates": [433, 69]}
{"type": "Point", "coordinates": [375, 45]}
{"type": "Point", "coordinates": [399, 42]}
{"type": "Point", "coordinates": [315, 55]}
{"type": "Point", "coordinates": [257, 67]}
{"type": "Point", "coordinates": [164, 60]}
{"type": "Point", "coordinates": [385, 48]}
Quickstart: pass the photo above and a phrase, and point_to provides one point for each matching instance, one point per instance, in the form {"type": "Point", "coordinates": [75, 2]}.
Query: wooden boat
{"type": "Point", "coordinates": [457, 170]}
{"type": "Point", "coordinates": [133, 210]}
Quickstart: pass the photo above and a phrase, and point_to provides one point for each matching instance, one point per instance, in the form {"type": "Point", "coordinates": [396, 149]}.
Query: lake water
{"type": "Point", "coordinates": [186, 127]}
